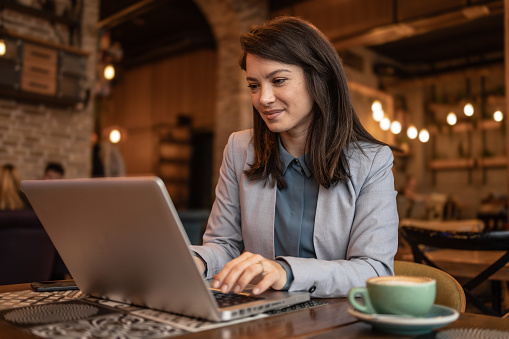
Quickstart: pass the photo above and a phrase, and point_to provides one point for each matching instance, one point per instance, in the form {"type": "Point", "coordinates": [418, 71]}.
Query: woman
{"type": "Point", "coordinates": [305, 201]}
{"type": "Point", "coordinates": [11, 197]}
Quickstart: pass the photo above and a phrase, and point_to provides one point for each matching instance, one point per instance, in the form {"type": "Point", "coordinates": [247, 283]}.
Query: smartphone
{"type": "Point", "coordinates": [51, 286]}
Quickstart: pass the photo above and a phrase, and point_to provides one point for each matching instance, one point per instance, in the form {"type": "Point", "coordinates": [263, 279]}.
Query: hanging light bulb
{"type": "Point", "coordinates": [498, 116]}
{"type": "Point", "coordinates": [115, 136]}
{"type": "Point", "coordinates": [424, 135]}
{"type": "Point", "coordinates": [451, 118]}
{"type": "Point", "coordinates": [376, 106]}
{"type": "Point", "coordinates": [378, 115]}
{"type": "Point", "coordinates": [385, 124]}
{"type": "Point", "coordinates": [3, 47]}
{"type": "Point", "coordinates": [378, 112]}
{"type": "Point", "coordinates": [412, 132]}
{"type": "Point", "coordinates": [395, 127]}
{"type": "Point", "coordinates": [109, 72]}
{"type": "Point", "coordinates": [468, 110]}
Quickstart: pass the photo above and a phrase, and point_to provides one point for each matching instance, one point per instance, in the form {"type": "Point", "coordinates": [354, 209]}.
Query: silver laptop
{"type": "Point", "coordinates": [122, 240]}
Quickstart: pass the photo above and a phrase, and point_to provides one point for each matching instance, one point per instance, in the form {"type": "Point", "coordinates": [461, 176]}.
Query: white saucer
{"type": "Point", "coordinates": [439, 316]}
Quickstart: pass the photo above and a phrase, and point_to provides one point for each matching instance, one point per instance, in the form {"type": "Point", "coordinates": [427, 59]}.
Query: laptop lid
{"type": "Point", "coordinates": [122, 239]}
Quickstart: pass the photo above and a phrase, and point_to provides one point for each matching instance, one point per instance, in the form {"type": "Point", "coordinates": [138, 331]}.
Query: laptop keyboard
{"type": "Point", "coordinates": [232, 299]}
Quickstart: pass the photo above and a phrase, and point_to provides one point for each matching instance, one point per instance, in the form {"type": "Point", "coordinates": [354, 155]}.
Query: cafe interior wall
{"type": "Point", "coordinates": [33, 133]}
{"type": "Point", "coordinates": [465, 162]}
{"type": "Point", "coordinates": [164, 103]}
{"type": "Point", "coordinates": [439, 164]}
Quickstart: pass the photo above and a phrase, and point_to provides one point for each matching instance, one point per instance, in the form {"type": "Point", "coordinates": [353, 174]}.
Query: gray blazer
{"type": "Point", "coordinates": [356, 222]}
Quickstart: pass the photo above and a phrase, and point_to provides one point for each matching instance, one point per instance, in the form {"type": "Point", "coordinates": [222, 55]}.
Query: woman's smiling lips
{"type": "Point", "coordinates": [273, 113]}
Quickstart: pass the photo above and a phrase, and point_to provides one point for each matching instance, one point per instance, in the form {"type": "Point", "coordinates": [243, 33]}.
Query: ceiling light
{"type": "Point", "coordinates": [378, 115]}
{"type": "Point", "coordinates": [3, 48]}
{"type": "Point", "coordinates": [115, 136]}
{"type": "Point", "coordinates": [109, 72]}
{"type": "Point", "coordinates": [498, 116]}
{"type": "Point", "coordinates": [385, 124]}
{"type": "Point", "coordinates": [411, 132]}
{"type": "Point", "coordinates": [468, 110]}
{"type": "Point", "coordinates": [424, 135]}
{"type": "Point", "coordinates": [395, 127]}
{"type": "Point", "coordinates": [376, 106]}
{"type": "Point", "coordinates": [451, 118]}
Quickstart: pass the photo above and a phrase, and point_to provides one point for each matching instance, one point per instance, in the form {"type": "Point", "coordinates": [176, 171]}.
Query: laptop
{"type": "Point", "coordinates": [122, 240]}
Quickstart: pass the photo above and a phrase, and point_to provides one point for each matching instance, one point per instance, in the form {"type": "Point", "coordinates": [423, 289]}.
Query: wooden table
{"type": "Point", "coordinates": [468, 264]}
{"type": "Point", "coordinates": [331, 320]}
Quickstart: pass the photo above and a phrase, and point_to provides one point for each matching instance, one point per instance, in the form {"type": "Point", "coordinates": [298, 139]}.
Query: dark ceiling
{"type": "Point", "coordinates": [158, 28]}
{"type": "Point", "coordinates": [474, 43]}
{"type": "Point", "coordinates": [148, 29]}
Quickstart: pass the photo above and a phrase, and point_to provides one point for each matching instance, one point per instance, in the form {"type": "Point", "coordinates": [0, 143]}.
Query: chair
{"type": "Point", "coordinates": [449, 291]}
{"type": "Point", "coordinates": [423, 241]}
{"type": "Point", "coordinates": [26, 252]}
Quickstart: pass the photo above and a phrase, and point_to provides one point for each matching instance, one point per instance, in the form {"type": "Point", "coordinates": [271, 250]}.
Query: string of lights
{"type": "Point", "coordinates": [412, 132]}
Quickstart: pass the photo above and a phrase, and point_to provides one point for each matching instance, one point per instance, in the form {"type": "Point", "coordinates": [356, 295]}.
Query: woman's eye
{"type": "Point", "coordinates": [252, 87]}
{"type": "Point", "coordinates": [278, 81]}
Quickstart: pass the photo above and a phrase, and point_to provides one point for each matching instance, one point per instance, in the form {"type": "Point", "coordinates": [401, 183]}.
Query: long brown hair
{"type": "Point", "coordinates": [9, 188]}
{"type": "Point", "coordinates": [334, 125]}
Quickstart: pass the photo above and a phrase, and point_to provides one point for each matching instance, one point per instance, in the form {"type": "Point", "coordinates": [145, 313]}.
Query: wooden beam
{"type": "Point", "coordinates": [407, 28]}
{"type": "Point", "coordinates": [506, 56]}
{"type": "Point", "coordinates": [470, 72]}
{"type": "Point", "coordinates": [128, 13]}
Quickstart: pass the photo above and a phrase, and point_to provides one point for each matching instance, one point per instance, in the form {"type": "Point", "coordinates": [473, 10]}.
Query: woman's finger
{"type": "Point", "coordinates": [227, 278]}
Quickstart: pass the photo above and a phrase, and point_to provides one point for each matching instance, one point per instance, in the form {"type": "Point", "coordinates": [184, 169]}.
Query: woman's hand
{"type": "Point", "coordinates": [239, 272]}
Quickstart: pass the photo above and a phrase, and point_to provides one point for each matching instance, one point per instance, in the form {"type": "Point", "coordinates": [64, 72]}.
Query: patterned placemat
{"type": "Point", "coordinates": [472, 333]}
{"type": "Point", "coordinates": [71, 314]}
{"type": "Point", "coordinates": [29, 297]}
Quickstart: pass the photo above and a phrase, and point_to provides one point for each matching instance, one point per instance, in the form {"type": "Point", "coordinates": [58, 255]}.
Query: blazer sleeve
{"type": "Point", "coordinates": [222, 240]}
{"type": "Point", "coordinates": [372, 231]}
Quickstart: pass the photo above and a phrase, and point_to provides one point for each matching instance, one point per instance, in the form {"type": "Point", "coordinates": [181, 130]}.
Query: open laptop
{"type": "Point", "coordinates": [122, 240]}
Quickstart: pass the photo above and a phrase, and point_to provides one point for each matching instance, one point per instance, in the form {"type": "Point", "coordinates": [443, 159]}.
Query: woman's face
{"type": "Point", "coordinates": [280, 95]}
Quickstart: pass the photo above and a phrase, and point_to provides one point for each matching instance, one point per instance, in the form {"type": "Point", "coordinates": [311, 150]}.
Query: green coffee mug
{"type": "Point", "coordinates": [399, 295]}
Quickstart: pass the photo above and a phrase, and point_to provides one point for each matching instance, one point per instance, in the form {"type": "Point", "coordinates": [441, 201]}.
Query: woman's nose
{"type": "Point", "coordinates": [267, 96]}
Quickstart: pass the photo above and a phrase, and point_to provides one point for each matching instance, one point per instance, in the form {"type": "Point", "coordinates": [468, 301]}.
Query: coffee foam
{"type": "Point", "coordinates": [400, 280]}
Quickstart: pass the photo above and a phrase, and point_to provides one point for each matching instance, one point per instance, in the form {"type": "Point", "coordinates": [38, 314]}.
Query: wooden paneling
{"type": "Point", "coordinates": [506, 53]}
{"type": "Point", "coordinates": [411, 9]}
{"type": "Point", "coordinates": [156, 94]}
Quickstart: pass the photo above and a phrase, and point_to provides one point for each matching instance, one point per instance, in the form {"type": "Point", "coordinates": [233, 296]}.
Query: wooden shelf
{"type": "Point", "coordinates": [37, 12]}
{"type": "Point", "coordinates": [446, 164]}
{"type": "Point", "coordinates": [437, 106]}
{"type": "Point", "coordinates": [55, 45]}
{"type": "Point", "coordinates": [39, 98]}
{"type": "Point", "coordinates": [489, 124]}
{"type": "Point", "coordinates": [495, 100]}
{"type": "Point", "coordinates": [498, 161]}
{"type": "Point", "coordinates": [452, 164]}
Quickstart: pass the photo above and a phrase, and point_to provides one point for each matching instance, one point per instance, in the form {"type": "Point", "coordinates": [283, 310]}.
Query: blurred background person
{"type": "Point", "coordinates": [54, 170]}
{"type": "Point", "coordinates": [411, 203]}
{"type": "Point", "coordinates": [11, 197]}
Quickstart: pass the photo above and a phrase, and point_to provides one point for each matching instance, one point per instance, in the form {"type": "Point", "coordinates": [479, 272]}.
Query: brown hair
{"type": "Point", "coordinates": [9, 188]}
{"type": "Point", "coordinates": [334, 125]}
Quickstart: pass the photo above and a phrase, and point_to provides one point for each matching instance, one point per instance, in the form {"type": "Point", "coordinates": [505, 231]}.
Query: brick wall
{"type": "Point", "coordinates": [33, 134]}
{"type": "Point", "coordinates": [228, 20]}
